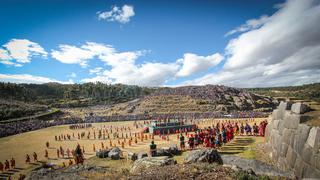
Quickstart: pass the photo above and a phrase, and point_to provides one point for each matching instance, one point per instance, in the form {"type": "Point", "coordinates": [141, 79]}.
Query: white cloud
{"type": "Point", "coordinates": [19, 51]}
{"type": "Point", "coordinates": [122, 15]}
{"type": "Point", "coordinates": [284, 50]}
{"type": "Point", "coordinates": [122, 67]}
{"type": "Point", "coordinates": [192, 63]}
{"type": "Point", "coordinates": [73, 75]}
{"type": "Point", "coordinates": [81, 55]}
{"type": "Point", "coordinates": [96, 70]}
{"type": "Point", "coordinates": [72, 55]}
{"type": "Point", "coordinates": [249, 25]}
{"type": "Point", "coordinates": [27, 78]}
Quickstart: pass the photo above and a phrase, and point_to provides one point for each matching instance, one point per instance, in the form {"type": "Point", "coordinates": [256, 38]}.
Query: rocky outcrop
{"type": "Point", "coordinates": [147, 162]}
{"type": "Point", "coordinates": [72, 173]}
{"type": "Point", "coordinates": [260, 168]}
{"type": "Point", "coordinates": [204, 155]}
{"type": "Point", "coordinates": [291, 144]}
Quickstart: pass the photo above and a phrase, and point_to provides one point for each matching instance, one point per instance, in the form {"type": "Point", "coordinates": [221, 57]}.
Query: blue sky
{"type": "Point", "coordinates": [156, 43]}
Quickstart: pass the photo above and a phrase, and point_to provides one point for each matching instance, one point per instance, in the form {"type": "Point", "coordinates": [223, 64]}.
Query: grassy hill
{"type": "Point", "coordinates": [207, 98]}
{"type": "Point", "coordinates": [309, 92]}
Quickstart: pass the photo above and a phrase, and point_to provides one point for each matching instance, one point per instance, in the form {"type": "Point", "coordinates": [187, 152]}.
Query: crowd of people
{"type": "Point", "coordinates": [17, 127]}
{"type": "Point", "coordinates": [220, 133]}
{"type": "Point", "coordinates": [197, 115]}
{"type": "Point", "coordinates": [214, 135]}
{"type": "Point", "coordinates": [80, 126]}
{"type": "Point", "coordinates": [12, 128]}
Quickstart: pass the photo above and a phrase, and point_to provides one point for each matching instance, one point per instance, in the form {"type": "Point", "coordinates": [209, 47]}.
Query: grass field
{"type": "Point", "coordinates": [18, 146]}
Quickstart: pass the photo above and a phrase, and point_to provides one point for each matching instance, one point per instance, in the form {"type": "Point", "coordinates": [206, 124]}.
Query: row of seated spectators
{"type": "Point", "coordinates": [12, 128]}
{"type": "Point", "coordinates": [247, 114]}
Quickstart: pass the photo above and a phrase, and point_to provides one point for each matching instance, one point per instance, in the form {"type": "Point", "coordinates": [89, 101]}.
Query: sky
{"type": "Point", "coordinates": [239, 43]}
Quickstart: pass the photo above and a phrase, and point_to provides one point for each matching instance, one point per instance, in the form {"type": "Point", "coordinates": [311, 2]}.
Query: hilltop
{"type": "Point", "coordinates": [191, 99]}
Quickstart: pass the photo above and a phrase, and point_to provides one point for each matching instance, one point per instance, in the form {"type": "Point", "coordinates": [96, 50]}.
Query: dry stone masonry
{"type": "Point", "coordinates": [292, 144]}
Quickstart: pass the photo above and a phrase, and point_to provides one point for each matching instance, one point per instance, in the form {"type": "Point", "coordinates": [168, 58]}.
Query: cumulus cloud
{"type": "Point", "coordinates": [70, 54]}
{"type": "Point", "coordinates": [284, 50]}
{"type": "Point", "coordinates": [96, 70]}
{"type": "Point", "coordinates": [193, 63]}
{"type": "Point", "coordinates": [121, 15]}
{"type": "Point", "coordinates": [121, 66]}
{"type": "Point", "coordinates": [249, 25]}
{"type": "Point", "coordinates": [27, 78]}
{"type": "Point", "coordinates": [19, 51]}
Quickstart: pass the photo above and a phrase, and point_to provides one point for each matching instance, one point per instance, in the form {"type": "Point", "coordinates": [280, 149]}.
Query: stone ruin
{"type": "Point", "coordinates": [292, 144]}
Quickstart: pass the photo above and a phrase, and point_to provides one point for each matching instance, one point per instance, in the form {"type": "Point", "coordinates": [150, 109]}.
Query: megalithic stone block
{"type": "Point", "coordinates": [300, 137]}
{"type": "Point", "coordinates": [299, 108]}
{"type": "Point", "coordinates": [292, 120]}
{"type": "Point", "coordinates": [283, 106]}
{"type": "Point", "coordinates": [314, 137]}
{"type": "Point", "coordinates": [291, 157]}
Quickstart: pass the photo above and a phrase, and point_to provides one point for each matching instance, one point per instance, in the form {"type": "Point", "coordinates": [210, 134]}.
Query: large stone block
{"type": "Point", "coordinates": [281, 163]}
{"type": "Point", "coordinates": [268, 132]}
{"type": "Point", "coordinates": [281, 127]}
{"type": "Point", "coordinates": [292, 120]}
{"type": "Point", "coordinates": [277, 145]}
{"type": "Point", "coordinates": [310, 172]}
{"type": "Point", "coordinates": [300, 137]}
{"type": "Point", "coordinates": [275, 124]}
{"type": "Point", "coordinates": [299, 167]}
{"type": "Point", "coordinates": [317, 161]}
{"type": "Point", "coordinates": [299, 108]}
{"type": "Point", "coordinates": [314, 138]}
{"type": "Point", "coordinates": [277, 114]}
{"type": "Point", "coordinates": [290, 158]}
{"type": "Point", "coordinates": [283, 149]}
{"type": "Point", "coordinates": [288, 136]}
{"type": "Point", "coordinates": [314, 159]}
{"type": "Point", "coordinates": [284, 106]}
{"type": "Point", "coordinates": [306, 153]}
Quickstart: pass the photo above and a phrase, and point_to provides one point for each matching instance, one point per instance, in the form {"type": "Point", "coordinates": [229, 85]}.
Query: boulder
{"type": "Point", "coordinates": [299, 108]}
{"type": "Point", "coordinates": [114, 153]}
{"type": "Point", "coordinates": [145, 163]}
{"type": "Point", "coordinates": [102, 153]}
{"type": "Point", "coordinates": [142, 155]}
{"type": "Point", "coordinates": [204, 155]}
{"type": "Point", "coordinates": [164, 152]}
{"type": "Point", "coordinates": [132, 156]}
{"type": "Point", "coordinates": [173, 149]}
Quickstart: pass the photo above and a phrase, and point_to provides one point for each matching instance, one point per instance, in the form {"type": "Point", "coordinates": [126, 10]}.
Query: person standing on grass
{"type": "Point", "coordinates": [13, 163]}
{"type": "Point", "coordinates": [182, 144]}
{"type": "Point", "coordinates": [153, 149]}
{"type": "Point", "coordinates": [1, 167]}
{"type": "Point", "coordinates": [35, 157]}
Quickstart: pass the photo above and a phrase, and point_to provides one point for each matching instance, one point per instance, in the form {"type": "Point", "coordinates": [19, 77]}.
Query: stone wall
{"type": "Point", "coordinates": [292, 144]}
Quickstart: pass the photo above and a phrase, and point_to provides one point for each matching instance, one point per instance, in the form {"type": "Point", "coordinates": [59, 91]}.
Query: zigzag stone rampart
{"type": "Point", "coordinates": [292, 144]}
